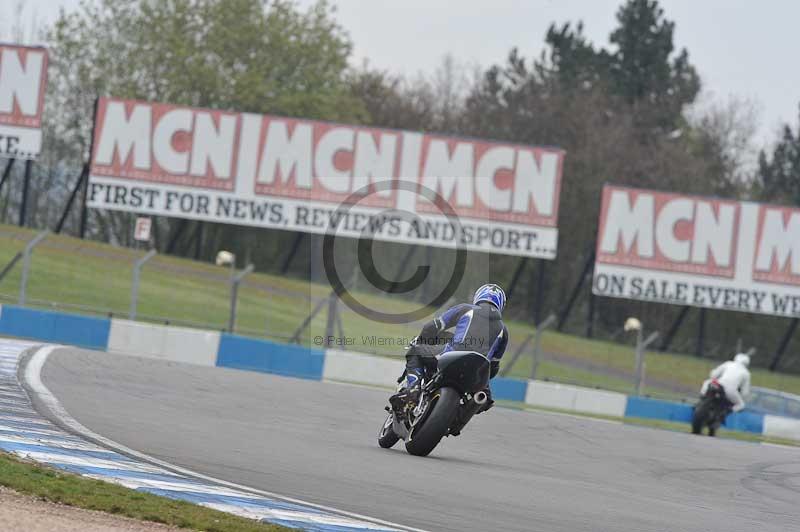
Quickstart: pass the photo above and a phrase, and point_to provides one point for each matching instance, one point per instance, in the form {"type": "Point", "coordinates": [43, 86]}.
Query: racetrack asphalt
{"type": "Point", "coordinates": [509, 471]}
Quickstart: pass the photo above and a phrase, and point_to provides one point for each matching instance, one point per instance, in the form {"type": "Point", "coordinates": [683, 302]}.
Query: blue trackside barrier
{"type": "Point", "coordinates": [508, 389]}
{"type": "Point", "coordinates": [251, 354]}
{"type": "Point", "coordinates": [48, 326]}
{"type": "Point", "coordinates": [656, 409]}
{"type": "Point", "coordinates": [745, 421]}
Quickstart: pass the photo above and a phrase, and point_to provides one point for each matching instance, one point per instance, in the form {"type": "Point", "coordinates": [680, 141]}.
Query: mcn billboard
{"type": "Point", "coordinates": [23, 80]}
{"type": "Point", "coordinates": [276, 172]}
{"type": "Point", "coordinates": [704, 252]}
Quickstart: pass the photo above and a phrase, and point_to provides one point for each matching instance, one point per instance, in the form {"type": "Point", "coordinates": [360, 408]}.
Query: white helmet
{"type": "Point", "coordinates": [743, 359]}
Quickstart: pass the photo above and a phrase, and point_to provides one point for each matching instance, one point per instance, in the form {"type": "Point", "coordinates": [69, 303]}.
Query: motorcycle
{"type": "Point", "coordinates": [711, 410]}
{"type": "Point", "coordinates": [452, 392]}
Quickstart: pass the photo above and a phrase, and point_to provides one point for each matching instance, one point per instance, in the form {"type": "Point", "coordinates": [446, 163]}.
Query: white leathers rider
{"type": "Point", "coordinates": [734, 377]}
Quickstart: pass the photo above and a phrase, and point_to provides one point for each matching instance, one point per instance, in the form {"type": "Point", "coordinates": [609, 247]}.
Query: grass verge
{"type": "Point", "coordinates": [72, 490]}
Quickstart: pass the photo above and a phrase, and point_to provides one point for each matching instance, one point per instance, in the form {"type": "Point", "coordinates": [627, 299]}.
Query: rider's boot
{"type": "Point", "coordinates": [410, 391]}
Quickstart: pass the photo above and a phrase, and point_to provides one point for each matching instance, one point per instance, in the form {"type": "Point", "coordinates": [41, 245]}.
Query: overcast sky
{"type": "Point", "coordinates": [742, 48]}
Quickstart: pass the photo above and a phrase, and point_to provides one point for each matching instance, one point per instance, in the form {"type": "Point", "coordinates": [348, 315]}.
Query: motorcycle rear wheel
{"type": "Point", "coordinates": [426, 437]}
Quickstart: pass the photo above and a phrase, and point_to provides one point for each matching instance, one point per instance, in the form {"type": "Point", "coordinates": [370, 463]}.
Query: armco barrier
{"type": "Point", "coordinates": [178, 344]}
{"type": "Point", "coordinates": [268, 357]}
{"type": "Point", "coordinates": [54, 327]}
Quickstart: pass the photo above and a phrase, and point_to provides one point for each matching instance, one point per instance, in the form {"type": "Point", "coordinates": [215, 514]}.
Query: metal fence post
{"type": "Point", "coordinates": [331, 321]}
{"type": "Point", "coordinates": [26, 264]}
{"type": "Point", "coordinates": [235, 282]}
{"type": "Point", "coordinates": [137, 271]}
{"type": "Point", "coordinates": [307, 321]}
{"type": "Point", "coordinates": [537, 343]}
{"type": "Point", "coordinates": [638, 359]}
{"type": "Point", "coordinates": [641, 345]}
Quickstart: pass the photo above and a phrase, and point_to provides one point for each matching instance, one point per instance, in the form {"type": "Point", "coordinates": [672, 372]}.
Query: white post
{"type": "Point", "coordinates": [235, 281]}
{"type": "Point", "coordinates": [137, 270]}
{"type": "Point", "coordinates": [641, 345]}
{"type": "Point", "coordinates": [26, 265]}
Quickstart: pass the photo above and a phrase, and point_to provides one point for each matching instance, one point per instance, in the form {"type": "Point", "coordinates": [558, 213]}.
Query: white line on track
{"type": "Point", "coordinates": [33, 379]}
{"type": "Point", "coordinates": [781, 446]}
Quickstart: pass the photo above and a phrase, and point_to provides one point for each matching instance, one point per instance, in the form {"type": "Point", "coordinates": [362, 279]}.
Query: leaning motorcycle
{"type": "Point", "coordinates": [452, 391]}
{"type": "Point", "coordinates": [711, 410]}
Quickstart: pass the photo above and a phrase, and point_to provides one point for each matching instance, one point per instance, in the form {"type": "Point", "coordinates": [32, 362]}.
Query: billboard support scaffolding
{"type": "Point", "coordinates": [587, 268]}
{"type": "Point", "coordinates": [397, 283]}
{"type": "Point", "coordinates": [23, 208]}
{"type": "Point", "coordinates": [700, 346]}
{"type": "Point", "coordinates": [515, 277]}
{"type": "Point", "coordinates": [84, 206]}
{"type": "Point", "coordinates": [84, 209]}
{"type": "Point", "coordinates": [296, 241]}
{"type": "Point", "coordinates": [177, 233]}
{"type": "Point", "coordinates": [7, 172]}
{"type": "Point", "coordinates": [590, 315]}
{"type": "Point", "coordinates": [784, 344]}
{"type": "Point", "coordinates": [673, 330]}
{"type": "Point", "coordinates": [538, 299]}
{"type": "Point", "coordinates": [199, 236]}
{"type": "Point", "coordinates": [428, 284]}
{"type": "Point", "coordinates": [81, 178]}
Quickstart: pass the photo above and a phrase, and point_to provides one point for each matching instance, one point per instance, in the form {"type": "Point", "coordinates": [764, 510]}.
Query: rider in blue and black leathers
{"type": "Point", "coordinates": [478, 327]}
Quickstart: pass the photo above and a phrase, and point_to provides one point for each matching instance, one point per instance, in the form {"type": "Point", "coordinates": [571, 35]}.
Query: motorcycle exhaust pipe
{"type": "Point", "coordinates": [480, 398]}
{"type": "Point", "coordinates": [468, 410]}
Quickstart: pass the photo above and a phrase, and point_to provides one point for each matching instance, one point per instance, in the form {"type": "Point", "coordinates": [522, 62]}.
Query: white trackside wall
{"type": "Point", "coordinates": [575, 398]}
{"type": "Point", "coordinates": [703, 252]}
{"type": "Point", "coordinates": [348, 366]}
{"type": "Point", "coordinates": [782, 427]}
{"type": "Point", "coordinates": [177, 344]}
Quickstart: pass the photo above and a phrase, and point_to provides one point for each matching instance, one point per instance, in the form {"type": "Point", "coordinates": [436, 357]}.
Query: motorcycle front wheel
{"type": "Point", "coordinates": [386, 437]}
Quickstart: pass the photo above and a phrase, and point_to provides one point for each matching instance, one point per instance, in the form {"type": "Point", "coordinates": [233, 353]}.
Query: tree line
{"type": "Point", "coordinates": [626, 111]}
